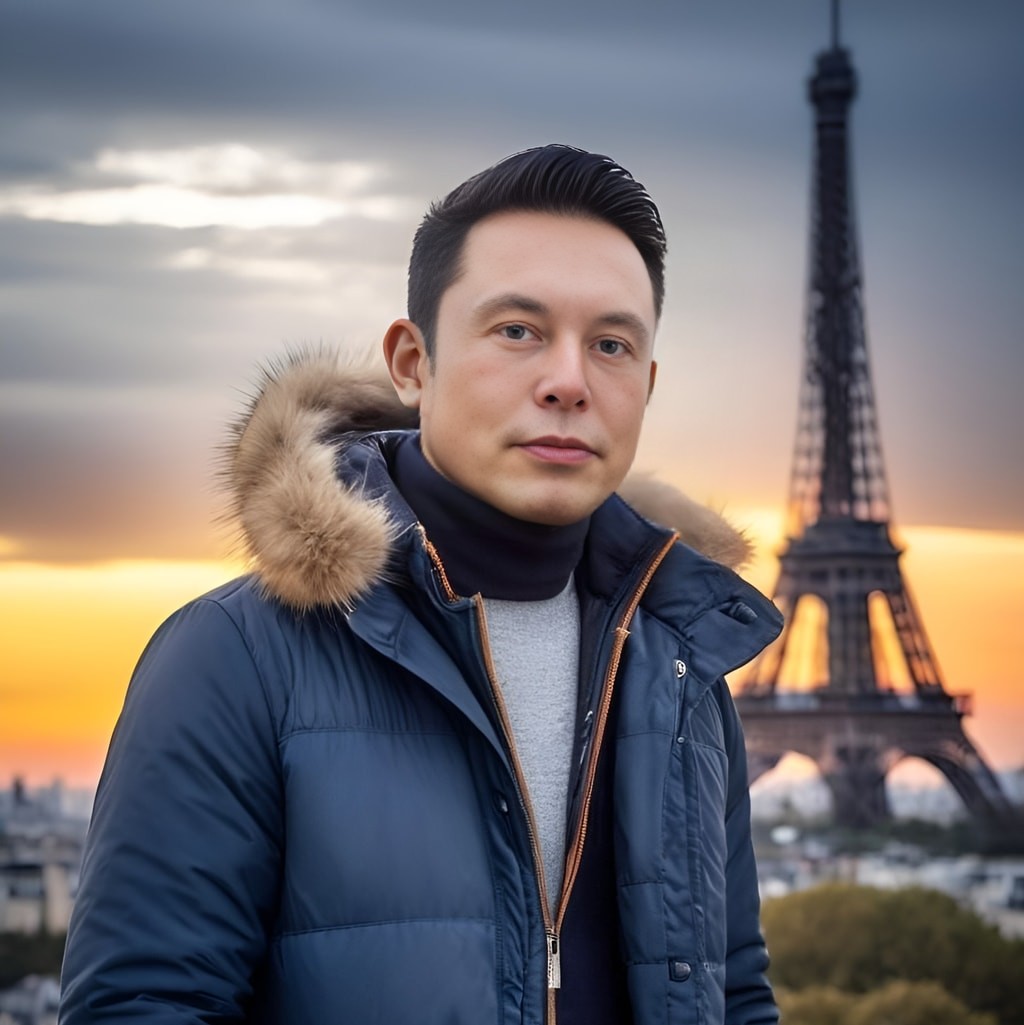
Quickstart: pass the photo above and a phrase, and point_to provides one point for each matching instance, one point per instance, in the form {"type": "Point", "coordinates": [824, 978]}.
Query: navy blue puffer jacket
{"type": "Point", "coordinates": [310, 811]}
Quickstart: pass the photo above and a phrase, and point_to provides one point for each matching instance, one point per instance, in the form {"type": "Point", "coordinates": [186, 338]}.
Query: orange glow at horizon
{"type": "Point", "coordinates": [71, 636]}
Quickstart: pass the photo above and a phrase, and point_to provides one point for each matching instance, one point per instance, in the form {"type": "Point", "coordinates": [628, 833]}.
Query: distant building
{"type": "Point", "coordinates": [35, 895]}
{"type": "Point", "coordinates": [42, 834]}
{"type": "Point", "coordinates": [800, 856]}
{"type": "Point", "coordinates": [32, 1002]}
{"type": "Point", "coordinates": [992, 887]}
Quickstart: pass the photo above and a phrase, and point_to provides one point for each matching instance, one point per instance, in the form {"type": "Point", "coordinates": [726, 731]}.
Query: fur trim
{"type": "Point", "coordinates": [315, 542]}
{"type": "Point", "coordinates": [312, 541]}
{"type": "Point", "coordinates": [698, 526]}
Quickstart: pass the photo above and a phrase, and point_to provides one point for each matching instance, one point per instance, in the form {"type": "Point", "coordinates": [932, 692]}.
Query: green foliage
{"type": "Point", "coordinates": [914, 1003]}
{"type": "Point", "coordinates": [856, 939]}
{"type": "Point", "coordinates": [24, 954]}
{"type": "Point", "coordinates": [816, 1005]}
{"type": "Point", "coordinates": [896, 1003]}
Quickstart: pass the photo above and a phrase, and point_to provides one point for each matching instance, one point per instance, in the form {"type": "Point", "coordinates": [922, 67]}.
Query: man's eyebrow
{"type": "Point", "coordinates": [629, 321]}
{"type": "Point", "coordinates": [510, 302]}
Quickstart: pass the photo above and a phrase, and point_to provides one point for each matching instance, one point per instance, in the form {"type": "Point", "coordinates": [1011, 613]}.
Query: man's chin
{"type": "Point", "coordinates": [552, 510]}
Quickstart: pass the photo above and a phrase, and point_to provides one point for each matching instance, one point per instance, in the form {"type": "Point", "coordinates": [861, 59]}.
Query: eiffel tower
{"type": "Point", "coordinates": [852, 682]}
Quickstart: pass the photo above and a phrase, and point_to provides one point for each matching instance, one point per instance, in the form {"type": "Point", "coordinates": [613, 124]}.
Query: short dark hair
{"type": "Point", "coordinates": [549, 179]}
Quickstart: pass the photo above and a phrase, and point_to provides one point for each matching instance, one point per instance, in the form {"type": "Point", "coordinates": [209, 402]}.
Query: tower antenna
{"type": "Point", "coordinates": [835, 24]}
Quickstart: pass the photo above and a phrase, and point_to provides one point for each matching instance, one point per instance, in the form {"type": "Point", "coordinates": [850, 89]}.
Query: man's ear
{"type": "Point", "coordinates": [654, 374]}
{"type": "Point", "coordinates": [408, 364]}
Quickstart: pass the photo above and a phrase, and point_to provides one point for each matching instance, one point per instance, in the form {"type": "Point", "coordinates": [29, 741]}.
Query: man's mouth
{"type": "Point", "coordinates": [553, 449]}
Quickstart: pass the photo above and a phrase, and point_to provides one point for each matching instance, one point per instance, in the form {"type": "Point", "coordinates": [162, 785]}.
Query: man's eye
{"type": "Point", "coordinates": [610, 346]}
{"type": "Point", "coordinates": [517, 332]}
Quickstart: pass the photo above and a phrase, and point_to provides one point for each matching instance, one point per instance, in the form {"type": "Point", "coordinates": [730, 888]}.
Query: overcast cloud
{"type": "Point", "coordinates": [185, 189]}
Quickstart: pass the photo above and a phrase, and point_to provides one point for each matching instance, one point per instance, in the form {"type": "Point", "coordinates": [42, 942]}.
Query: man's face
{"type": "Point", "coordinates": [543, 365]}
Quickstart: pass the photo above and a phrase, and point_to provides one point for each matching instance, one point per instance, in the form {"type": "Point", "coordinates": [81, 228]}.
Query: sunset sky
{"type": "Point", "coordinates": [187, 189]}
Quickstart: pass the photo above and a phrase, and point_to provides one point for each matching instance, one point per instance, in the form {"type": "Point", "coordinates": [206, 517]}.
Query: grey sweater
{"type": "Point", "coordinates": [535, 647]}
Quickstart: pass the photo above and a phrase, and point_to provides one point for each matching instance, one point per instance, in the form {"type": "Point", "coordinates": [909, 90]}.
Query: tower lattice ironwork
{"type": "Point", "coordinates": [852, 682]}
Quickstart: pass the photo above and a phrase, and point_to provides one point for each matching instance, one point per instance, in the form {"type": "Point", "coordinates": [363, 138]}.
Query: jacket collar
{"type": "Point", "coordinates": [724, 620]}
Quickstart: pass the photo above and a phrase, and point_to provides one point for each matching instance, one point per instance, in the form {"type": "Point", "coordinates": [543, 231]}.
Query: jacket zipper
{"type": "Point", "coordinates": [554, 960]}
{"type": "Point", "coordinates": [552, 928]}
{"type": "Point", "coordinates": [575, 851]}
{"type": "Point", "coordinates": [554, 972]}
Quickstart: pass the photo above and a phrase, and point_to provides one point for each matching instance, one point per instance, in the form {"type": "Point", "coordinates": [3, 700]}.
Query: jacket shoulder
{"type": "Point", "coordinates": [207, 650]}
{"type": "Point", "coordinates": [241, 638]}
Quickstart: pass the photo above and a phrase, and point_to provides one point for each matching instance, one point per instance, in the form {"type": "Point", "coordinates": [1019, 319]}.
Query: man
{"type": "Point", "coordinates": [460, 749]}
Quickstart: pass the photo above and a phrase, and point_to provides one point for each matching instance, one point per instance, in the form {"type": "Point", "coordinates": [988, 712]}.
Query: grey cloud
{"type": "Point", "coordinates": [90, 306]}
{"type": "Point", "coordinates": [386, 80]}
{"type": "Point", "coordinates": [112, 481]}
{"type": "Point", "coordinates": [705, 102]}
{"type": "Point", "coordinates": [328, 65]}
{"type": "Point", "coordinates": [110, 311]}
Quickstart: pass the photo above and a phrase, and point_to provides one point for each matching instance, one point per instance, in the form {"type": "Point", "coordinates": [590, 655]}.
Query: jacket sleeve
{"type": "Point", "coordinates": [180, 875]}
{"type": "Point", "coordinates": [748, 995]}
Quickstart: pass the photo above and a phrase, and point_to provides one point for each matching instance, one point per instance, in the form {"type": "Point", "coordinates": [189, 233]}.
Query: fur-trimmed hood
{"type": "Point", "coordinates": [313, 540]}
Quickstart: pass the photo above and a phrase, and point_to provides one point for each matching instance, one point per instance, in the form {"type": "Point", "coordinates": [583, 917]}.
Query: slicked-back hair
{"type": "Point", "coordinates": [554, 179]}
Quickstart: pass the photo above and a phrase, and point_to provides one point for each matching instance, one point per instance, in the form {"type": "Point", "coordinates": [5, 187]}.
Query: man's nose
{"type": "Point", "coordinates": [564, 381]}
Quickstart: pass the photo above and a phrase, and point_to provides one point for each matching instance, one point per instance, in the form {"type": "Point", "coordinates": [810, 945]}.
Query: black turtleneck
{"type": "Point", "coordinates": [482, 548]}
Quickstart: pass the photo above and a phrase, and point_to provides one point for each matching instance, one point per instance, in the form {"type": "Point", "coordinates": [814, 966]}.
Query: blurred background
{"type": "Point", "coordinates": [187, 190]}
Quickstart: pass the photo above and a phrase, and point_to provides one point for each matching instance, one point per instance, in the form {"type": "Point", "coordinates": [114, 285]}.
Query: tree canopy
{"type": "Point", "coordinates": [896, 1003]}
{"type": "Point", "coordinates": [857, 939]}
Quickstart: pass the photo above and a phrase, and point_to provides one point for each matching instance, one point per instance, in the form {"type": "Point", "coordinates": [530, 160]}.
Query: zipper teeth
{"type": "Point", "coordinates": [621, 633]}
{"type": "Point", "coordinates": [438, 564]}
{"type": "Point", "coordinates": [506, 726]}
{"type": "Point", "coordinates": [522, 792]}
